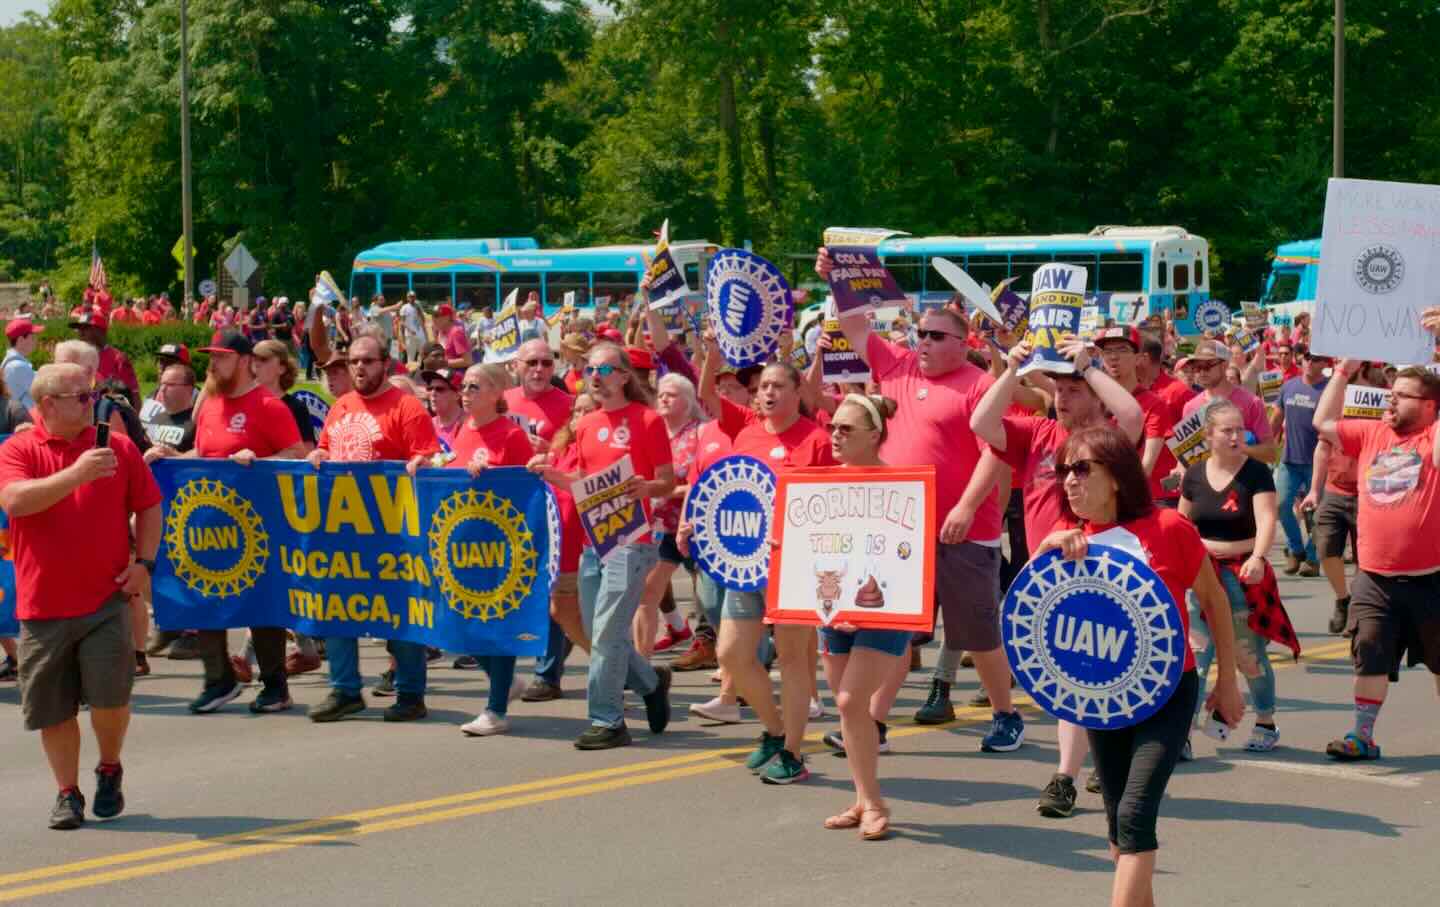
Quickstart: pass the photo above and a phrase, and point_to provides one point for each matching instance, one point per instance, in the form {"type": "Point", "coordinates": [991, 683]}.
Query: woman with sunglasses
{"type": "Point", "coordinates": [625, 425]}
{"type": "Point", "coordinates": [486, 438]}
{"type": "Point", "coordinates": [1230, 497]}
{"type": "Point", "coordinates": [1107, 500]}
{"type": "Point", "coordinates": [865, 668]}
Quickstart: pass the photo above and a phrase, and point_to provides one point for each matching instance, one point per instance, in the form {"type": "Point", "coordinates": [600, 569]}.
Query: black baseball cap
{"type": "Point", "coordinates": [231, 342]}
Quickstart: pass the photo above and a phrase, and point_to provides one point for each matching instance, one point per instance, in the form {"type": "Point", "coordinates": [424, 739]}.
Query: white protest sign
{"type": "Point", "coordinates": [1377, 273]}
{"type": "Point", "coordinates": [1187, 442]}
{"type": "Point", "coordinates": [1270, 383]}
{"type": "Point", "coordinates": [1365, 402]}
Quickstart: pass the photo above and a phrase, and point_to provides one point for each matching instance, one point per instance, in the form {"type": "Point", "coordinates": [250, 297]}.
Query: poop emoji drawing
{"type": "Point", "coordinates": [869, 595]}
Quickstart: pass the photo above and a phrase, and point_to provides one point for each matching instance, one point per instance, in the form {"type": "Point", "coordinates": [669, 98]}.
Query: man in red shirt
{"type": "Point", "coordinates": [1395, 596]}
{"type": "Point", "coordinates": [242, 421]}
{"type": "Point", "coordinates": [57, 487]}
{"type": "Point", "coordinates": [1120, 348]}
{"type": "Point", "coordinates": [1153, 376]}
{"type": "Point", "coordinates": [93, 328]}
{"type": "Point", "coordinates": [375, 421]}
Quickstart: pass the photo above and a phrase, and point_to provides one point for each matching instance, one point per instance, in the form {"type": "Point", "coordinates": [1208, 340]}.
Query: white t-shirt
{"type": "Point", "coordinates": [414, 324]}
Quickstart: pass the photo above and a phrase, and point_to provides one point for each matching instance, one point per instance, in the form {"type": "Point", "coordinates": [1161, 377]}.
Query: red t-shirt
{"type": "Point", "coordinates": [1340, 475]}
{"type": "Point", "coordinates": [542, 415]}
{"type": "Point", "coordinates": [1032, 445]}
{"type": "Point", "coordinates": [932, 426]}
{"type": "Point", "coordinates": [572, 534]}
{"type": "Point", "coordinates": [711, 443]}
{"type": "Point", "coordinates": [502, 440]}
{"type": "Point", "coordinates": [392, 425]}
{"type": "Point", "coordinates": [67, 557]}
{"type": "Point", "coordinates": [1158, 421]}
{"type": "Point", "coordinates": [256, 420]}
{"type": "Point", "coordinates": [1399, 501]}
{"type": "Point", "coordinates": [1173, 391]}
{"type": "Point", "coordinates": [1170, 544]}
{"type": "Point", "coordinates": [124, 315]}
{"type": "Point", "coordinates": [802, 444]}
{"type": "Point", "coordinates": [604, 436]}
{"type": "Point", "coordinates": [114, 364]}
{"type": "Point", "coordinates": [457, 345]}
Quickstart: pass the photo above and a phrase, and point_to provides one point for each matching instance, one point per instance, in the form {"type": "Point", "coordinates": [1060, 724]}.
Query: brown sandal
{"type": "Point", "coordinates": [875, 830]}
{"type": "Point", "coordinates": [850, 818]}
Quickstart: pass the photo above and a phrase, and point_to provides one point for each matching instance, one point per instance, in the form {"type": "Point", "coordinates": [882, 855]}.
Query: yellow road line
{"type": "Point", "coordinates": [173, 857]}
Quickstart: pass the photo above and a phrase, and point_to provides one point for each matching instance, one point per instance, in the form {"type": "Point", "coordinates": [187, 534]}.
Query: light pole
{"type": "Point", "coordinates": [1339, 104]}
{"type": "Point", "coordinates": [189, 292]}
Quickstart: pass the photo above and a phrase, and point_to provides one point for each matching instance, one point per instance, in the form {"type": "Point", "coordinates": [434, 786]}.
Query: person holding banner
{"type": "Point", "coordinates": [1029, 445]}
{"type": "Point", "coordinates": [1230, 497]}
{"type": "Point", "coordinates": [75, 641]}
{"type": "Point", "coordinates": [624, 427]}
{"type": "Point", "coordinates": [1107, 500]}
{"type": "Point", "coordinates": [375, 421]}
{"type": "Point", "coordinates": [1395, 595]}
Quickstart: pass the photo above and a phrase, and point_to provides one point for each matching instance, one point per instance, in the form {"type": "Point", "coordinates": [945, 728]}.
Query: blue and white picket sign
{"type": "Point", "coordinates": [730, 508]}
{"type": "Point", "coordinates": [316, 406]}
{"type": "Point", "coordinates": [750, 305]}
{"type": "Point", "coordinates": [1097, 641]}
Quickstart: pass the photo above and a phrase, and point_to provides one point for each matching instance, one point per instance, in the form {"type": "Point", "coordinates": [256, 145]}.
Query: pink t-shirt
{"type": "Point", "coordinates": [457, 345]}
{"type": "Point", "coordinates": [932, 426]}
{"type": "Point", "coordinates": [1252, 409]}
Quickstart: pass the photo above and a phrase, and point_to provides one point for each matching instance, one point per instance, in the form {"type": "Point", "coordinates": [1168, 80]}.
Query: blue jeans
{"type": "Point", "coordinates": [550, 667]}
{"type": "Point", "coordinates": [501, 671]}
{"type": "Point", "coordinates": [344, 655]}
{"type": "Point", "coordinates": [1250, 655]}
{"type": "Point", "coordinates": [609, 596]}
{"type": "Point", "coordinates": [1292, 482]}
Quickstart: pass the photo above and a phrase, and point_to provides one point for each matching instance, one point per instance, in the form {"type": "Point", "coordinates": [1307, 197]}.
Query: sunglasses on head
{"type": "Point", "coordinates": [1080, 468]}
{"type": "Point", "coordinates": [599, 371]}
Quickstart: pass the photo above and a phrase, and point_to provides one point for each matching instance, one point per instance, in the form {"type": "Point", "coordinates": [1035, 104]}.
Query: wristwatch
{"type": "Point", "coordinates": [149, 565]}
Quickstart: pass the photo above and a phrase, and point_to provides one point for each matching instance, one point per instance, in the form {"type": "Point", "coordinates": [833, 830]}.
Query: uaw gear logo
{"type": "Point", "coordinates": [1097, 641]}
{"type": "Point", "coordinates": [750, 306]}
{"type": "Point", "coordinates": [1379, 269]}
{"type": "Point", "coordinates": [1212, 315]}
{"type": "Point", "coordinates": [483, 554]}
{"type": "Point", "coordinates": [214, 539]}
{"type": "Point", "coordinates": [730, 508]}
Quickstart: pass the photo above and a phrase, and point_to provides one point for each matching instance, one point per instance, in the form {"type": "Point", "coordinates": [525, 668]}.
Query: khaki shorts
{"type": "Point", "coordinates": [62, 660]}
{"type": "Point", "coordinates": [567, 585]}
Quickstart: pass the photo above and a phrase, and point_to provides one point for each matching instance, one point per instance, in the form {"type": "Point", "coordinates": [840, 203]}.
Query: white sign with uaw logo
{"type": "Point", "coordinates": [730, 508]}
{"type": "Point", "coordinates": [1096, 641]}
{"type": "Point", "coordinates": [750, 306]}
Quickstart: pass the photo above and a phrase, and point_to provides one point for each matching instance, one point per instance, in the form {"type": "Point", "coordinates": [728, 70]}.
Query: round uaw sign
{"type": "Point", "coordinates": [750, 306]}
{"type": "Point", "coordinates": [214, 539]}
{"type": "Point", "coordinates": [1212, 315]}
{"type": "Point", "coordinates": [730, 509]}
{"type": "Point", "coordinates": [483, 554]}
{"type": "Point", "coordinates": [1379, 269]}
{"type": "Point", "coordinates": [1097, 641]}
{"type": "Point", "coordinates": [315, 406]}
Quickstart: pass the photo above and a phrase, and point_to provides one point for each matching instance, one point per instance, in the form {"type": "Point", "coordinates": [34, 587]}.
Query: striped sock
{"type": "Point", "coordinates": [1366, 711]}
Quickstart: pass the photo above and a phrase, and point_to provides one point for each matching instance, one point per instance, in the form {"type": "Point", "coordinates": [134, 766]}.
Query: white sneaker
{"type": "Point", "coordinates": [817, 710]}
{"type": "Point", "coordinates": [717, 710]}
{"type": "Point", "coordinates": [486, 724]}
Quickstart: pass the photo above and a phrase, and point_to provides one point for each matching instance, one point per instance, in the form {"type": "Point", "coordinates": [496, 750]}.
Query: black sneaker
{"type": "Point", "coordinates": [69, 811]}
{"type": "Point", "coordinates": [937, 708]}
{"type": "Point", "coordinates": [213, 697]}
{"type": "Point", "coordinates": [8, 669]}
{"type": "Point", "coordinates": [541, 691]}
{"type": "Point", "coordinates": [407, 709]}
{"type": "Point", "coordinates": [1340, 616]}
{"type": "Point", "coordinates": [274, 697]}
{"type": "Point", "coordinates": [1057, 801]}
{"type": "Point", "coordinates": [109, 798]}
{"type": "Point", "coordinates": [657, 701]}
{"type": "Point", "coordinates": [1092, 783]}
{"type": "Point", "coordinates": [336, 706]}
{"type": "Point", "coordinates": [433, 654]}
{"type": "Point", "coordinates": [466, 663]}
{"type": "Point", "coordinates": [386, 686]}
{"type": "Point", "coordinates": [603, 738]}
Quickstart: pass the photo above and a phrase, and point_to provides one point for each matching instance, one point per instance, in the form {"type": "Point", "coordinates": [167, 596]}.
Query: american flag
{"type": "Point", "coordinates": [97, 268]}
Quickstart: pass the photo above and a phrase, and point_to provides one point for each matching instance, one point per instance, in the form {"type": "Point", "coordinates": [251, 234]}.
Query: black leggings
{"type": "Point", "coordinates": [1135, 764]}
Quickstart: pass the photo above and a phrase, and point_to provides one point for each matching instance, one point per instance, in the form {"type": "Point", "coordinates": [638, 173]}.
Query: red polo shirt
{"type": "Point", "coordinates": [67, 557]}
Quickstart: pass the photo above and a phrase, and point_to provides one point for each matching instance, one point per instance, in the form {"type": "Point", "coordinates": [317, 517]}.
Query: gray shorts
{"type": "Point", "coordinates": [967, 595]}
{"type": "Point", "coordinates": [743, 605]}
{"type": "Point", "coordinates": [1335, 521]}
{"type": "Point", "coordinates": [62, 660]}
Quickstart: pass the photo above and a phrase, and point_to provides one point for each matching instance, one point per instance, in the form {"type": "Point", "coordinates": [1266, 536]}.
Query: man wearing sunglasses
{"type": "Point", "coordinates": [75, 635]}
{"type": "Point", "coordinates": [1120, 351]}
{"type": "Point", "coordinates": [1205, 368]}
{"type": "Point", "coordinates": [937, 390]}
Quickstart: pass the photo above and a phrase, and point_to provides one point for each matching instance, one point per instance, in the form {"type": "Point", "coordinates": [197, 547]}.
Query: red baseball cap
{"type": "Point", "coordinates": [639, 358]}
{"type": "Point", "coordinates": [445, 311]}
{"type": "Point", "coordinates": [90, 319]}
{"type": "Point", "coordinates": [21, 327]}
{"type": "Point", "coordinates": [1129, 335]}
{"type": "Point", "coordinates": [177, 351]}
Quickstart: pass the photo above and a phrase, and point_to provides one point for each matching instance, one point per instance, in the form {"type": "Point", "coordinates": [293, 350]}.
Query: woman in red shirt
{"type": "Point", "coordinates": [624, 426]}
{"type": "Point", "coordinates": [1107, 498]}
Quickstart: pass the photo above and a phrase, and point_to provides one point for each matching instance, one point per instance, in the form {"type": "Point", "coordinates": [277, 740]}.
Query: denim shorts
{"type": "Point", "coordinates": [890, 642]}
{"type": "Point", "coordinates": [743, 605]}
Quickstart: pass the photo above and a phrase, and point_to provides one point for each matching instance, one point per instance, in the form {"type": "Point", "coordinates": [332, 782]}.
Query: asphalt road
{"type": "Point", "coordinates": [231, 808]}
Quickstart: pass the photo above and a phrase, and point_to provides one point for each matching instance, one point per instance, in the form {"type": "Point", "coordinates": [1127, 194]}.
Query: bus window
{"type": "Point", "coordinates": [616, 284]}
{"type": "Point", "coordinates": [518, 280]}
{"type": "Point", "coordinates": [909, 272]}
{"type": "Point", "coordinates": [1199, 273]}
{"type": "Point", "coordinates": [1022, 267]}
{"type": "Point", "coordinates": [983, 269]}
{"type": "Point", "coordinates": [394, 286]}
{"type": "Point", "coordinates": [1122, 273]}
{"type": "Point", "coordinates": [1088, 262]}
{"type": "Point", "coordinates": [696, 284]}
{"type": "Point", "coordinates": [430, 287]}
{"type": "Point", "coordinates": [1284, 287]}
{"type": "Point", "coordinates": [477, 289]}
{"type": "Point", "coordinates": [558, 283]}
{"type": "Point", "coordinates": [1162, 275]}
{"type": "Point", "coordinates": [1182, 278]}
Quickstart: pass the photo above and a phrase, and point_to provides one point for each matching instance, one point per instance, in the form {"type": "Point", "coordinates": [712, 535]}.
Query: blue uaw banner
{"type": "Point", "coordinates": [730, 509]}
{"type": "Point", "coordinates": [1096, 641]}
{"type": "Point", "coordinates": [750, 306]}
{"type": "Point", "coordinates": [9, 623]}
{"type": "Point", "coordinates": [1057, 297]}
{"type": "Point", "coordinates": [357, 549]}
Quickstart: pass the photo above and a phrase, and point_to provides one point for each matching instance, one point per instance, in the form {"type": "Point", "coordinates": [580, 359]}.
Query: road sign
{"type": "Point", "coordinates": [240, 263]}
{"type": "Point", "coordinates": [207, 287]}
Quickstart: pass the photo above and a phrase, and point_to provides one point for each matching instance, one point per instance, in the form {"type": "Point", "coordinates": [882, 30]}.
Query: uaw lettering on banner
{"type": "Point", "coordinates": [856, 546]}
{"type": "Point", "coordinates": [841, 362]}
{"type": "Point", "coordinates": [1365, 402]}
{"type": "Point", "coordinates": [610, 517]}
{"type": "Point", "coordinates": [359, 549]}
{"type": "Point", "coordinates": [1377, 270]}
{"type": "Point", "coordinates": [750, 305]}
{"type": "Point", "coordinates": [859, 283]}
{"type": "Point", "coordinates": [502, 341]}
{"type": "Point", "coordinates": [1187, 440]}
{"type": "Point", "coordinates": [1056, 299]}
{"type": "Point", "coordinates": [1270, 383]}
{"type": "Point", "coordinates": [730, 507]}
{"type": "Point", "coordinates": [667, 281]}
{"type": "Point", "coordinates": [9, 623]}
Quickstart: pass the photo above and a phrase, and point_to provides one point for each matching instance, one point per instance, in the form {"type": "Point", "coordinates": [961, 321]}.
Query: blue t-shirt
{"type": "Point", "coordinates": [1299, 400]}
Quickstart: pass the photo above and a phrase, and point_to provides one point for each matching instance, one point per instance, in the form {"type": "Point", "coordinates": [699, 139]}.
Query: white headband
{"type": "Point", "coordinates": [869, 407]}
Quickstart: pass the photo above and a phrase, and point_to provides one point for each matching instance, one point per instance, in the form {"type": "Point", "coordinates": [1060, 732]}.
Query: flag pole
{"type": "Point", "coordinates": [189, 261]}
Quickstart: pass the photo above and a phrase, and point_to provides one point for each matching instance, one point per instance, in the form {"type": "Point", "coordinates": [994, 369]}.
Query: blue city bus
{"type": "Point", "coordinates": [1137, 271]}
{"type": "Point", "coordinates": [481, 271]}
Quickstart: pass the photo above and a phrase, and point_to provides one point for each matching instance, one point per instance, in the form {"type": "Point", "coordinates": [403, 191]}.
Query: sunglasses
{"type": "Point", "coordinates": [437, 388]}
{"type": "Point", "coordinates": [364, 361]}
{"type": "Point", "coordinates": [599, 371]}
{"type": "Point", "coordinates": [1082, 469]}
{"type": "Point", "coordinates": [86, 397]}
{"type": "Point", "coordinates": [845, 431]}
{"type": "Point", "coordinates": [936, 336]}
{"type": "Point", "coordinates": [541, 363]}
